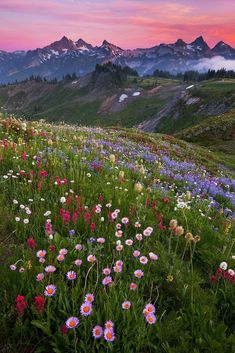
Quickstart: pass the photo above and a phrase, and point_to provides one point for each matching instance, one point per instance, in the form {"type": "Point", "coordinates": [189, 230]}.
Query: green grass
{"type": "Point", "coordinates": [215, 133]}
{"type": "Point", "coordinates": [211, 91]}
{"type": "Point", "coordinates": [134, 113]}
{"type": "Point", "coordinates": [186, 118]}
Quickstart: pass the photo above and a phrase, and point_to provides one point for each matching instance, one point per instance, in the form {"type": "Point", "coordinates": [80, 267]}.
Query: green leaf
{"type": "Point", "coordinates": [42, 325]}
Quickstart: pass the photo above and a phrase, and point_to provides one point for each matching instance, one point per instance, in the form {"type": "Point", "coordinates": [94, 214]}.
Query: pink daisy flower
{"type": "Point", "coordinates": [109, 335]}
{"type": "Point", "coordinates": [106, 271]}
{"type": "Point", "coordinates": [126, 305]}
{"type": "Point", "coordinates": [91, 258]}
{"type": "Point", "coordinates": [136, 253]}
{"type": "Point", "coordinates": [138, 273]}
{"type": "Point", "coordinates": [118, 233]}
{"type": "Point", "coordinates": [109, 325]}
{"type": "Point", "coordinates": [143, 260]}
{"type": "Point", "coordinates": [86, 309]}
{"type": "Point", "coordinates": [72, 322]}
{"type": "Point", "coordinates": [50, 269]}
{"type": "Point", "coordinates": [71, 275]}
{"type": "Point", "coordinates": [97, 332]}
{"type": "Point", "coordinates": [40, 277]}
{"type": "Point", "coordinates": [107, 280]}
{"type": "Point", "coordinates": [114, 215]}
{"type": "Point", "coordinates": [148, 231]}
{"type": "Point", "coordinates": [133, 286]}
{"type": "Point", "coordinates": [41, 253]}
{"type": "Point", "coordinates": [101, 240]}
{"type": "Point", "coordinates": [119, 263]}
{"type": "Point", "coordinates": [89, 298]}
{"type": "Point", "coordinates": [151, 319]}
{"type": "Point", "coordinates": [139, 236]}
{"type": "Point", "coordinates": [78, 247]}
{"type": "Point", "coordinates": [117, 269]}
{"type": "Point", "coordinates": [78, 262]}
{"type": "Point", "coordinates": [50, 290]}
{"type": "Point", "coordinates": [63, 252]}
{"type": "Point", "coordinates": [60, 258]}
{"type": "Point", "coordinates": [125, 220]}
{"type": "Point", "coordinates": [129, 242]}
{"type": "Point", "coordinates": [153, 256]}
{"type": "Point", "coordinates": [149, 309]}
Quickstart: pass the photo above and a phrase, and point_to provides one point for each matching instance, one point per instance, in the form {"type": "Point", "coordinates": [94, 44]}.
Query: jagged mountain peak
{"type": "Point", "coordinates": [200, 42]}
{"type": "Point", "coordinates": [180, 43]}
{"type": "Point", "coordinates": [221, 44]}
{"type": "Point", "coordinates": [110, 45]}
{"type": "Point", "coordinates": [81, 42]}
{"type": "Point", "coordinates": [62, 44]}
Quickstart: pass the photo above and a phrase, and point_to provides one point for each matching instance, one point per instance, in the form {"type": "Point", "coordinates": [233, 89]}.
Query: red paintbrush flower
{"type": "Point", "coordinates": [31, 243]}
{"type": "Point", "coordinates": [39, 303]}
{"type": "Point", "coordinates": [20, 305]}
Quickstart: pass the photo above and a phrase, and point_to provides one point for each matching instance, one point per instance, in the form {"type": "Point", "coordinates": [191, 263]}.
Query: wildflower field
{"type": "Point", "coordinates": [113, 241]}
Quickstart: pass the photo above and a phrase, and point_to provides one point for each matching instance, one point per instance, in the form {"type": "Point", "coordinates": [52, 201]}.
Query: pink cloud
{"type": "Point", "coordinates": [30, 24]}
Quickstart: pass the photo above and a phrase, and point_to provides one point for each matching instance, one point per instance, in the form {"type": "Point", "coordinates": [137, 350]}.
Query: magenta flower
{"type": "Point", "coordinates": [138, 273]}
{"type": "Point", "coordinates": [136, 253]}
{"type": "Point", "coordinates": [151, 319]}
{"type": "Point", "coordinates": [107, 280]}
{"type": "Point", "coordinates": [72, 322]}
{"type": "Point", "coordinates": [143, 260]}
{"type": "Point", "coordinates": [117, 269]}
{"type": "Point", "coordinates": [86, 309]}
{"type": "Point", "coordinates": [109, 335]}
{"type": "Point", "coordinates": [40, 277]}
{"type": "Point", "coordinates": [150, 308]}
{"type": "Point", "coordinates": [133, 286]}
{"type": "Point", "coordinates": [41, 253]}
{"type": "Point", "coordinates": [126, 305]}
{"type": "Point", "coordinates": [153, 256]}
{"type": "Point", "coordinates": [71, 275]}
{"type": "Point", "coordinates": [97, 332]}
{"type": "Point", "coordinates": [50, 269]}
{"type": "Point", "coordinates": [106, 271]}
{"type": "Point", "coordinates": [78, 247]}
{"type": "Point", "coordinates": [60, 257]}
{"type": "Point", "coordinates": [50, 290]}
{"type": "Point", "coordinates": [78, 262]}
{"type": "Point", "coordinates": [109, 324]}
{"type": "Point", "coordinates": [89, 298]}
{"type": "Point", "coordinates": [119, 263]}
{"type": "Point", "coordinates": [63, 252]}
{"type": "Point", "coordinates": [91, 258]}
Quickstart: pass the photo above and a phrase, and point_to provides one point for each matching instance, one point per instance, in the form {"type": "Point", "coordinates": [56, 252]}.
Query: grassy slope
{"type": "Point", "coordinates": [65, 102]}
{"type": "Point", "coordinates": [216, 133]}
{"type": "Point", "coordinates": [211, 94]}
{"type": "Point", "coordinates": [189, 310]}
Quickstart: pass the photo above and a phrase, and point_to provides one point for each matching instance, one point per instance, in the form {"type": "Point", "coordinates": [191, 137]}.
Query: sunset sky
{"type": "Point", "coordinates": [27, 24]}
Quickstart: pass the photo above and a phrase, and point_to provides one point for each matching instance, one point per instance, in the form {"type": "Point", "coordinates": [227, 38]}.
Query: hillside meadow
{"type": "Point", "coordinates": [114, 240]}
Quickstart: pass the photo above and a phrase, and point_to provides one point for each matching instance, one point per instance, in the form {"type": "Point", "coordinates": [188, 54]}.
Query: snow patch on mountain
{"type": "Point", "coordinates": [123, 97]}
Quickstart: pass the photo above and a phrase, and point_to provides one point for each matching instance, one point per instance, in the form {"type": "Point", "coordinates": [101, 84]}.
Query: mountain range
{"type": "Point", "coordinates": [68, 56]}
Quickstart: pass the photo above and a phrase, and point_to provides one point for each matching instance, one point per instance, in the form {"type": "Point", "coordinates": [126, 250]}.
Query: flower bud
{"type": "Point", "coordinates": [138, 187]}
{"type": "Point", "coordinates": [112, 158]}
